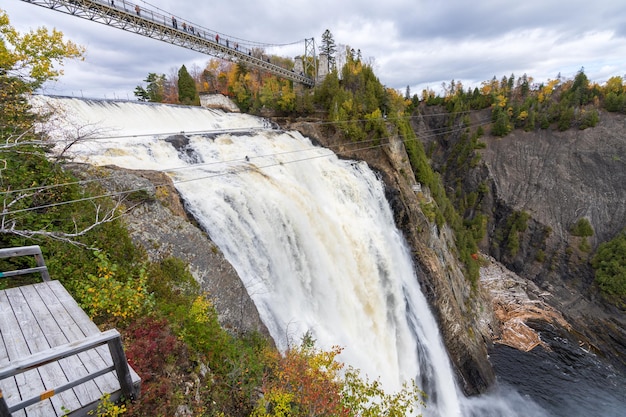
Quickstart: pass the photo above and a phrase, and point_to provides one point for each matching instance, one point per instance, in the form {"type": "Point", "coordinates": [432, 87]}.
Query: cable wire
{"type": "Point", "coordinates": [215, 175]}
{"type": "Point", "coordinates": [83, 182]}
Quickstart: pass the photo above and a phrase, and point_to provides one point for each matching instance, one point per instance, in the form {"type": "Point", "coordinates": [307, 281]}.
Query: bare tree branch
{"type": "Point", "coordinates": [51, 118]}
{"type": "Point", "coordinates": [9, 224]}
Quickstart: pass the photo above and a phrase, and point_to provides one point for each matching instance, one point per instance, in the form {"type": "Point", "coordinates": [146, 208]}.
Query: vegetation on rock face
{"type": "Point", "coordinates": [513, 103]}
{"type": "Point", "coordinates": [609, 263]}
{"type": "Point", "coordinates": [508, 237]}
{"type": "Point", "coordinates": [582, 228]}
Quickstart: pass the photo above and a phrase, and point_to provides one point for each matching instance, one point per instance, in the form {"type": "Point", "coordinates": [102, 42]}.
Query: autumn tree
{"type": "Point", "coordinates": [278, 94]}
{"type": "Point", "coordinates": [241, 87]}
{"type": "Point", "coordinates": [213, 77]}
{"type": "Point", "coordinates": [27, 61]}
{"type": "Point", "coordinates": [187, 93]}
{"type": "Point", "coordinates": [615, 95]}
{"type": "Point", "coordinates": [308, 381]}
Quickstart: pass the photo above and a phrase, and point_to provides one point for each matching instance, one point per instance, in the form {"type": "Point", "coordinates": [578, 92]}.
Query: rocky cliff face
{"type": "Point", "coordinates": [559, 178]}
{"type": "Point", "coordinates": [556, 178]}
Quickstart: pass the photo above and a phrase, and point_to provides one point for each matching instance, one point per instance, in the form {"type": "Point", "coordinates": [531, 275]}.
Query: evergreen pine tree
{"type": "Point", "coordinates": [141, 93]}
{"type": "Point", "coordinates": [154, 91]}
{"type": "Point", "coordinates": [187, 93]}
{"type": "Point", "coordinates": [329, 48]}
{"type": "Point", "coordinates": [155, 87]}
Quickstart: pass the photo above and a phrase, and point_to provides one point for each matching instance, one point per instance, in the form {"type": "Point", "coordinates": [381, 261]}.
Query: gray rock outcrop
{"type": "Point", "coordinates": [157, 221]}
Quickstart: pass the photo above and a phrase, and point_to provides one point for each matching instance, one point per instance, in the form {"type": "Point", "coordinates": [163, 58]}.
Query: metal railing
{"type": "Point", "coordinates": [144, 21]}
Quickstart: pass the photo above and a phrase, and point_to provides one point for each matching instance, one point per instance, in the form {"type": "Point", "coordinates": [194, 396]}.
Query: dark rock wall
{"type": "Point", "coordinates": [556, 178]}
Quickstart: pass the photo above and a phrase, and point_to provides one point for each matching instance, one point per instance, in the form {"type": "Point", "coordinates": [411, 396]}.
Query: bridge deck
{"type": "Point", "coordinates": [141, 19]}
{"type": "Point", "coordinates": [35, 318]}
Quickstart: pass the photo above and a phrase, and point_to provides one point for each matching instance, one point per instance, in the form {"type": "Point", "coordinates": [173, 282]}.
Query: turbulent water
{"type": "Point", "coordinates": [311, 236]}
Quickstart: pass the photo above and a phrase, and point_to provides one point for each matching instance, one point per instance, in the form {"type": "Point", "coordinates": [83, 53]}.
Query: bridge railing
{"type": "Point", "coordinates": [146, 21]}
{"type": "Point", "coordinates": [179, 24]}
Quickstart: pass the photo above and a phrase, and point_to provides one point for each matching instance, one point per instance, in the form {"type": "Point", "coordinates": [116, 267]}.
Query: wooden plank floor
{"type": "Point", "coordinates": [34, 318]}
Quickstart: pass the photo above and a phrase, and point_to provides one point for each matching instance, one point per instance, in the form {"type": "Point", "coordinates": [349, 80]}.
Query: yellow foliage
{"type": "Point", "coordinates": [523, 115]}
{"type": "Point", "coordinates": [106, 408]}
{"type": "Point", "coordinates": [614, 85]}
{"type": "Point", "coordinates": [36, 54]}
{"type": "Point", "coordinates": [275, 403]}
{"type": "Point", "coordinates": [201, 309]}
{"type": "Point", "coordinates": [348, 105]}
{"type": "Point", "coordinates": [500, 101]}
{"type": "Point", "coordinates": [547, 90]}
{"type": "Point", "coordinates": [428, 93]}
{"type": "Point", "coordinates": [397, 102]}
{"type": "Point", "coordinates": [104, 295]}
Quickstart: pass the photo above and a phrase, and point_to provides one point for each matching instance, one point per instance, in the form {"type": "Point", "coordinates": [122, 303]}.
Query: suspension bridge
{"type": "Point", "coordinates": [149, 21]}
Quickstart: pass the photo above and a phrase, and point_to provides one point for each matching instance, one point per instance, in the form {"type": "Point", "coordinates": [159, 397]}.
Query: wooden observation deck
{"type": "Point", "coordinates": [54, 361]}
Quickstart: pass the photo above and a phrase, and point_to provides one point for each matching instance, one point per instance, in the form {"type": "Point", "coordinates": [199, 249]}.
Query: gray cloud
{"type": "Point", "coordinates": [417, 43]}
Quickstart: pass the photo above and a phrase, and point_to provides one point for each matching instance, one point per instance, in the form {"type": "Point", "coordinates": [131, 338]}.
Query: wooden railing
{"type": "Point", "coordinates": [120, 365]}
{"type": "Point", "coordinates": [25, 251]}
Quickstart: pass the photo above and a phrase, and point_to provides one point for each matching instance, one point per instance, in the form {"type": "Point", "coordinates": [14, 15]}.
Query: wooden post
{"type": "Point", "coordinates": [4, 408]}
{"type": "Point", "coordinates": [121, 367]}
{"type": "Point", "coordinates": [41, 263]}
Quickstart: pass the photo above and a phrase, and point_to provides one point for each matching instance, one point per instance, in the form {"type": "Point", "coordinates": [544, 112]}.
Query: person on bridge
{"type": "Point", "coordinates": [138, 10]}
{"type": "Point", "coordinates": [217, 38]}
{"type": "Point", "coordinates": [185, 26]}
{"type": "Point", "coordinates": [174, 23]}
{"type": "Point", "coordinates": [112, 3]}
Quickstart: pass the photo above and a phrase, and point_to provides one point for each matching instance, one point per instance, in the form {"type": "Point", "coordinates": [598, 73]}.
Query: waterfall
{"type": "Point", "coordinates": [311, 235]}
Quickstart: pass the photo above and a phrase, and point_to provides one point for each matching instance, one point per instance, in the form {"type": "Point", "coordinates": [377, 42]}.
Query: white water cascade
{"type": "Point", "coordinates": [311, 236]}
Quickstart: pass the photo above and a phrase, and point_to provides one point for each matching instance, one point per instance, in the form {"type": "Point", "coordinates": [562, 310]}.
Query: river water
{"type": "Point", "coordinates": [566, 380]}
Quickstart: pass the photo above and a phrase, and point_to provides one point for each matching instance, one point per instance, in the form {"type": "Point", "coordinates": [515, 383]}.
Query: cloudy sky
{"type": "Point", "coordinates": [416, 43]}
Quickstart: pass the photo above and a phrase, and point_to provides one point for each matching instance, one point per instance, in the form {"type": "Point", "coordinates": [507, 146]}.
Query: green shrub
{"type": "Point", "coordinates": [105, 295]}
{"type": "Point", "coordinates": [582, 228]}
{"type": "Point", "coordinates": [584, 245]}
{"type": "Point", "coordinates": [609, 264]}
{"type": "Point", "coordinates": [540, 256]}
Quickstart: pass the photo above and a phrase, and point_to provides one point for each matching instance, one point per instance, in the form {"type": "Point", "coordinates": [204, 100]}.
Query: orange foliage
{"type": "Point", "coordinates": [308, 376]}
